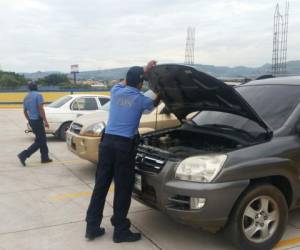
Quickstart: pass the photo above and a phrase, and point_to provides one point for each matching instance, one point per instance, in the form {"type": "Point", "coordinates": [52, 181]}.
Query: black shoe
{"type": "Point", "coordinates": [126, 236]}
{"type": "Point", "coordinates": [95, 234]}
{"type": "Point", "coordinates": [22, 159]}
{"type": "Point", "coordinates": [47, 161]}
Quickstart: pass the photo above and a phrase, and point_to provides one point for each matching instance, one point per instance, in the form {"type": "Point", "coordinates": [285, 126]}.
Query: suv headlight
{"type": "Point", "coordinates": [203, 168]}
{"type": "Point", "coordinates": [94, 130]}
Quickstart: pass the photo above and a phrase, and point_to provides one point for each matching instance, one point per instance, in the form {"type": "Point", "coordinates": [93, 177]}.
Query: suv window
{"type": "Point", "coordinates": [273, 103]}
{"type": "Point", "coordinates": [85, 103]}
{"type": "Point", "coordinates": [103, 100]}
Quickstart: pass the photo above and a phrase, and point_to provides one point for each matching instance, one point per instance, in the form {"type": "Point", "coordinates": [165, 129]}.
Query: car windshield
{"type": "Point", "coordinates": [59, 102]}
{"type": "Point", "coordinates": [273, 103]}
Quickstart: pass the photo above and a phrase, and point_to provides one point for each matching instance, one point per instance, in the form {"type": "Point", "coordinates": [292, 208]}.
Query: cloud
{"type": "Point", "coordinates": [53, 34]}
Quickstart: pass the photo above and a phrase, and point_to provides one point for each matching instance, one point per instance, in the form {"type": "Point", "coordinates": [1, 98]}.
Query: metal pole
{"type": "Point", "coordinates": [190, 46]}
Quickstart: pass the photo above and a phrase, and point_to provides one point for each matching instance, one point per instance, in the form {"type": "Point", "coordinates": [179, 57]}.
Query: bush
{"type": "Point", "coordinates": [54, 80]}
{"type": "Point", "coordinates": [11, 80]}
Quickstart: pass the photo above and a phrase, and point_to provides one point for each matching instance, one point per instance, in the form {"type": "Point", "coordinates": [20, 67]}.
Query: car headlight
{"type": "Point", "coordinates": [94, 130]}
{"type": "Point", "coordinates": [203, 168]}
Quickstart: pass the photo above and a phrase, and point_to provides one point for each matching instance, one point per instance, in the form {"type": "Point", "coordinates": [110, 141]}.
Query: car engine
{"type": "Point", "coordinates": [183, 143]}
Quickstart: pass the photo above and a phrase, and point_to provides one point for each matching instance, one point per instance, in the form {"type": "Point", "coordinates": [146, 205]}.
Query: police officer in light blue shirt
{"type": "Point", "coordinates": [35, 114]}
{"type": "Point", "coordinates": [126, 108]}
{"type": "Point", "coordinates": [117, 155]}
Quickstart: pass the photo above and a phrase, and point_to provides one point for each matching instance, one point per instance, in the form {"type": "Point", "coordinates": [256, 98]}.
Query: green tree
{"type": "Point", "coordinates": [54, 80]}
{"type": "Point", "coordinates": [11, 80]}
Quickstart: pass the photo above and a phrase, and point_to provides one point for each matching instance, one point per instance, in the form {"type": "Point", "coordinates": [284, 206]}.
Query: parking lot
{"type": "Point", "coordinates": [43, 206]}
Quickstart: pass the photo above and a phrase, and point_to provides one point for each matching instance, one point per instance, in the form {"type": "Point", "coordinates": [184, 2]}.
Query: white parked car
{"type": "Point", "coordinates": [63, 111]}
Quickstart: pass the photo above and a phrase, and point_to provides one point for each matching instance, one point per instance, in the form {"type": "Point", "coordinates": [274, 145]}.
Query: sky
{"type": "Point", "coordinates": [43, 35]}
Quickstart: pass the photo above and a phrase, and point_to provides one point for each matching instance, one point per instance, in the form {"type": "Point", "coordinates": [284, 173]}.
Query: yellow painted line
{"type": "Point", "coordinates": [35, 164]}
{"type": "Point", "coordinates": [69, 196]}
{"type": "Point", "coordinates": [61, 197]}
{"type": "Point", "coordinates": [48, 96]}
{"type": "Point", "coordinates": [287, 243]}
{"type": "Point", "coordinates": [12, 106]}
{"type": "Point", "coordinates": [73, 161]}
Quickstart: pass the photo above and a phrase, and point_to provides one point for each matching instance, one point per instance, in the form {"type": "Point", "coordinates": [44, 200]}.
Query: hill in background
{"type": "Point", "coordinates": [293, 68]}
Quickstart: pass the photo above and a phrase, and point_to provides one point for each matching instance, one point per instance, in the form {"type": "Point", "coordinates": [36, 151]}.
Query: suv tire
{"type": "Point", "coordinates": [258, 219]}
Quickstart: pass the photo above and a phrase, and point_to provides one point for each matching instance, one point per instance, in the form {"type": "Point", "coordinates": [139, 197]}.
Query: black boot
{"type": "Point", "coordinates": [22, 159]}
{"type": "Point", "coordinates": [126, 236]}
{"type": "Point", "coordinates": [47, 160]}
{"type": "Point", "coordinates": [90, 235]}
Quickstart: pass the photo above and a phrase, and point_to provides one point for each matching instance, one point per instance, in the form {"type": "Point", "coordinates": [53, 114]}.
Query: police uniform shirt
{"type": "Point", "coordinates": [126, 108]}
{"type": "Point", "coordinates": [31, 104]}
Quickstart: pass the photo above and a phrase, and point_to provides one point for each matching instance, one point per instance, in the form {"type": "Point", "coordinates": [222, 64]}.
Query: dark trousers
{"type": "Point", "coordinates": [40, 141]}
{"type": "Point", "coordinates": [116, 161]}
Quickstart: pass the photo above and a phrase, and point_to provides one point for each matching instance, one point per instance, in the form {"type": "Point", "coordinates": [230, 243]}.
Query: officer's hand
{"type": "Point", "coordinates": [150, 65]}
{"type": "Point", "coordinates": [46, 124]}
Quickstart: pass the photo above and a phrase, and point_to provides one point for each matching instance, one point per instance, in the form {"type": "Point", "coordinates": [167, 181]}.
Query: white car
{"type": "Point", "coordinates": [63, 111]}
{"type": "Point", "coordinates": [85, 132]}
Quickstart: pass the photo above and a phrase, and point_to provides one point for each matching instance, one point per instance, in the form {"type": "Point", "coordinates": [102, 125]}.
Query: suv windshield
{"type": "Point", "coordinates": [61, 101]}
{"type": "Point", "coordinates": [273, 103]}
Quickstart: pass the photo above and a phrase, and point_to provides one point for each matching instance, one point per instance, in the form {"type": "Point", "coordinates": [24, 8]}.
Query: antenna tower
{"type": "Point", "coordinates": [190, 46]}
{"type": "Point", "coordinates": [280, 35]}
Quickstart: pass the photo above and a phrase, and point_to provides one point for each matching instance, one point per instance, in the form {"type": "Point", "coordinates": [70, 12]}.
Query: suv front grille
{"type": "Point", "coordinates": [75, 128]}
{"type": "Point", "coordinates": [149, 163]}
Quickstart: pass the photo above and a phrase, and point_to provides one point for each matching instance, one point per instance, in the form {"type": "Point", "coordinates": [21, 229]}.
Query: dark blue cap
{"type": "Point", "coordinates": [32, 86]}
{"type": "Point", "coordinates": [135, 75]}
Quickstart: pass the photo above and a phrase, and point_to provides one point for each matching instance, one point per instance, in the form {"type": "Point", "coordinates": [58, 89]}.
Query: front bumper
{"type": "Point", "coordinates": [163, 192]}
{"type": "Point", "coordinates": [83, 146]}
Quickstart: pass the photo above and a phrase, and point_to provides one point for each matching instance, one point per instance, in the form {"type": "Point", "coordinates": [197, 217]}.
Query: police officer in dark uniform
{"type": "Point", "coordinates": [35, 114]}
{"type": "Point", "coordinates": [117, 155]}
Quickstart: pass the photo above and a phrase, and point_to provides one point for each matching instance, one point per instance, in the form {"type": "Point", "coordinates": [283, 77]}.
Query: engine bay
{"type": "Point", "coordinates": [184, 143]}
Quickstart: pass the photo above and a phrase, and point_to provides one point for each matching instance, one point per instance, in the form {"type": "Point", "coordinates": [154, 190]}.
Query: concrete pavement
{"type": "Point", "coordinates": [42, 207]}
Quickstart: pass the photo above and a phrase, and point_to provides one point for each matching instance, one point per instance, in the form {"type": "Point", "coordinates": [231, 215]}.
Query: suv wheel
{"type": "Point", "coordinates": [63, 129]}
{"type": "Point", "coordinates": [259, 218]}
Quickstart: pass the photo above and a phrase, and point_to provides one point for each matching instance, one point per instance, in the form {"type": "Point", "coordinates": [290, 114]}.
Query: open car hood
{"type": "Point", "coordinates": [185, 90]}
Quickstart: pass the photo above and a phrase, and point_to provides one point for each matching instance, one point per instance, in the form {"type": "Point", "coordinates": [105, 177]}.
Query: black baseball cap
{"type": "Point", "coordinates": [135, 75]}
{"type": "Point", "coordinates": [32, 86]}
